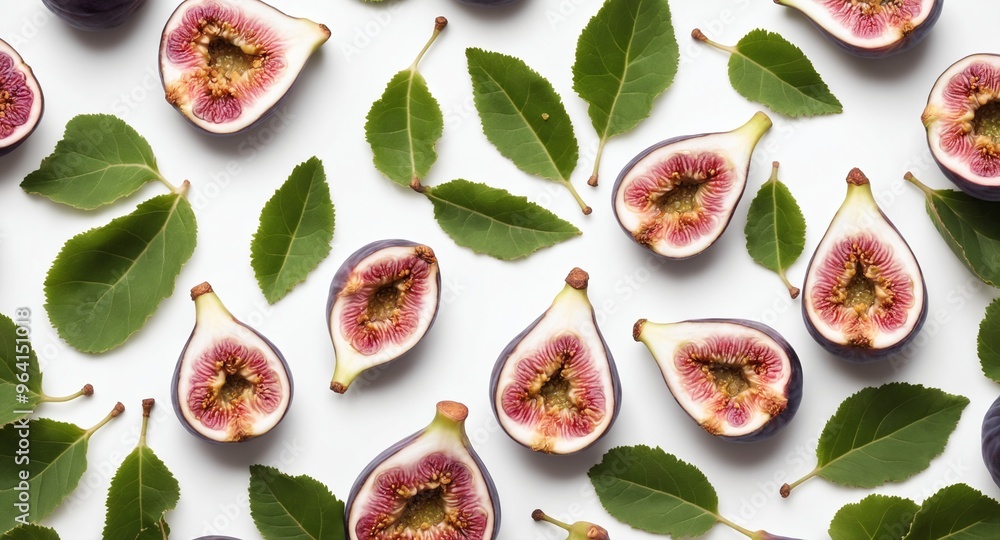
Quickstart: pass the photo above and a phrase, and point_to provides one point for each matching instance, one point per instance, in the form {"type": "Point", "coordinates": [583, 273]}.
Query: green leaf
{"type": "Point", "coordinates": [625, 57]}
{"type": "Point", "coordinates": [876, 517]}
{"type": "Point", "coordinates": [958, 512]}
{"type": "Point", "coordinates": [524, 117]}
{"type": "Point", "coordinates": [293, 507]}
{"type": "Point", "coordinates": [106, 282]}
{"type": "Point", "coordinates": [654, 491]}
{"type": "Point", "coordinates": [54, 467]}
{"type": "Point", "coordinates": [141, 492]}
{"type": "Point", "coordinates": [99, 160]}
{"type": "Point", "coordinates": [969, 226]}
{"type": "Point", "coordinates": [296, 228]}
{"type": "Point", "coordinates": [492, 221]}
{"type": "Point", "coordinates": [885, 434]}
{"type": "Point", "coordinates": [766, 68]}
{"type": "Point", "coordinates": [989, 341]}
{"type": "Point", "coordinates": [776, 229]}
{"type": "Point", "coordinates": [405, 123]}
{"type": "Point", "coordinates": [30, 532]}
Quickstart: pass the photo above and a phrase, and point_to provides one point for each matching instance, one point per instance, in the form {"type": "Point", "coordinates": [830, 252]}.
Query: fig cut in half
{"type": "Point", "coordinates": [676, 198]}
{"type": "Point", "coordinates": [864, 296]}
{"type": "Point", "coordinates": [21, 101]}
{"type": "Point", "coordinates": [739, 380]}
{"type": "Point", "coordinates": [231, 383]}
{"type": "Point", "coordinates": [871, 28]}
{"type": "Point", "coordinates": [226, 63]}
{"type": "Point", "coordinates": [991, 441]}
{"type": "Point", "coordinates": [555, 388]}
{"type": "Point", "coordinates": [382, 302]}
{"type": "Point", "coordinates": [962, 118]}
{"type": "Point", "coordinates": [428, 486]}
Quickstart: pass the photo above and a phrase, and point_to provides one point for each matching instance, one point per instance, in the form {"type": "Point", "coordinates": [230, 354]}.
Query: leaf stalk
{"type": "Point", "coordinates": [592, 181]}
{"type": "Point", "coordinates": [700, 36]}
{"type": "Point", "coordinates": [117, 410]}
{"type": "Point", "coordinates": [439, 24]}
{"type": "Point", "coordinates": [87, 390]}
{"type": "Point", "coordinates": [786, 489]}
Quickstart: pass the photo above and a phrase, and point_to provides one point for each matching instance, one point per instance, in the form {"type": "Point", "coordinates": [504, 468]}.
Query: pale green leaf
{"type": "Point", "coordinates": [492, 221]}
{"type": "Point", "coordinates": [53, 469]}
{"type": "Point", "coordinates": [141, 492]}
{"type": "Point", "coordinates": [776, 228]}
{"type": "Point", "coordinates": [957, 512]}
{"type": "Point", "coordinates": [106, 282]}
{"type": "Point", "coordinates": [654, 491]}
{"type": "Point", "coordinates": [766, 68]}
{"type": "Point", "coordinates": [403, 127]}
{"type": "Point", "coordinates": [989, 341]}
{"type": "Point", "coordinates": [293, 507]}
{"type": "Point", "coordinates": [30, 532]}
{"type": "Point", "coordinates": [296, 228]}
{"type": "Point", "coordinates": [99, 160]}
{"type": "Point", "coordinates": [18, 365]}
{"type": "Point", "coordinates": [876, 517]}
{"type": "Point", "coordinates": [626, 56]}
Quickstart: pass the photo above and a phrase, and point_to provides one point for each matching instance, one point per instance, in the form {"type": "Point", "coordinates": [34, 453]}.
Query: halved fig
{"type": "Point", "coordinates": [428, 486]}
{"type": "Point", "coordinates": [870, 28]}
{"type": "Point", "coordinates": [991, 441]}
{"type": "Point", "coordinates": [676, 198]}
{"type": "Point", "coordinates": [739, 380]}
{"type": "Point", "coordinates": [864, 296]}
{"type": "Point", "coordinates": [21, 101]}
{"type": "Point", "coordinates": [231, 383]}
{"type": "Point", "coordinates": [555, 388]}
{"type": "Point", "coordinates": [962, 118]}
{"type": "Point", "coordinates": [382, 302]}
{"type": "Point", "coordinates": [226, 63]}
{"type": "Point", "coordinates": [93, 15]}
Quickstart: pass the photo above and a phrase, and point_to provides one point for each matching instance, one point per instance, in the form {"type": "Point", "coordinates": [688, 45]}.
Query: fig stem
{"type": "Point", "coordinates": [117, 410]}
{"type": "Point", "coordinates": [742, 530]}
{"type": "Point", "coordinates": [786, 489]}
{"type": "Point", "coordinates": [538, 515]}
{"type": "Point", "coordinates": [87, 390]}
{"type": "Point", "coordinates": [700, 36]}
{"type": "Point", "coordinates": [147, 405]}
{"type": "Point", "coordinates": [592, 181]}
{"type": "Point", "coordinates": [439, 24]}
{"type": "Point", "coordinates": [583, 206]}
{"type": "Point", "coordinates": [923, 187]}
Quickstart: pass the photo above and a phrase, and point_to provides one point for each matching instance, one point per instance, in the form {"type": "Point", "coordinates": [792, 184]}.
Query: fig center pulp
{"type": "Point", "coordinates": [4, 100]}
{"type": "Point", "coordinates": [860, 290]}
{"type": "Point", "coordinates": [234, 387]}
{"type": "Point", "coordinates": [555, 391]}
{"type": "Point", "coordinates": [229, 59]}
{"type": "Point", "coordinates": [681, 198]}
{"type": "Point", "coordinates": [986, 121]}
{"type": "Point", "coordinates": [423, 510]}
{"type": "Point", "coordinates": [385, 302]}
{"type": "Point", "coordinates": [728, 378]}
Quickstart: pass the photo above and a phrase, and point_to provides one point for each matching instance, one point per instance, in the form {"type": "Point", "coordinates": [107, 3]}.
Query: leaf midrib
{"type": "Point", "coordinates": [277, 501]}
{"type": "Point", "coordinates": [621, 82]}
{"type": "Point", "coordinates": [671, 495]}
{"type": "Point", "coordinates": [430, 194]}
{"type": "Point", "coordinates": [737, 51]}
{"type": "Point", "coordinates": [294, 233]}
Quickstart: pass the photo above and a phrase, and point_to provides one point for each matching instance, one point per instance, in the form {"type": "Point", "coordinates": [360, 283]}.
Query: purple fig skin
{"type": "Point", "coordinates": [348, 266]}
{"type": "Point", "coordinates": [176, 379]}
{"type": "Point", "coordinates": [991, 441]}
{"type": "Point", "coordinates": [488, 3]}
{"type": "Point", "coordinates": [30, 75]}
{"type": "Point", "coordinates": [93, 15]}
{"type": "Point", "coordinates": [640, 156]}
{"type": "Point", "coordinates": [915, 36]}
{"type": "Point", "coordinates": [360, 481]}
{"type": "Point", "coordinates": [509, 349]}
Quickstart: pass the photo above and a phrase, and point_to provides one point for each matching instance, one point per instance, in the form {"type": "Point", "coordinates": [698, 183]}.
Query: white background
{"type": "Point", "coordinates": [486, 302]}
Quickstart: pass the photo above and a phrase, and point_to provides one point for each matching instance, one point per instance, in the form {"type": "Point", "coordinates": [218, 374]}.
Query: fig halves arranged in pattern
{"type": "Point", "coordinates": [382, 302]}
{"type": "Point", "coordinates": [739, 380]}
{"type": "Point", "coordinates": [231, 383]}
{"type": "Point", "coordinates": [555, 388]}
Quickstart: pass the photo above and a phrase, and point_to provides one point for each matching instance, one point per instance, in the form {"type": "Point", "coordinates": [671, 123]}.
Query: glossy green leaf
{"type": "Point", "coordinates": [492, 221]}
{"type": "Point", "coordinates": [969, 226]}
{"type": "Point", "coordinates": [296, 228]}
{"type": "Point", "coordinates": [776, 228]}
{"type": "Point", "coordinates": [625, 57]}
{"type": "Point", "coordinates": [876, 517]}
{"type": "Point", "coordinates": [30, 532]}
{"type": "Point", "coordinates": [405, 124]}
{"type": "Point", "coordinates": [957, 512]}
{"type": "Point", "coordinates": [141, 492]}
{"type": "Point", "coordinates": [885, 434]}
{"type": "Point", "coordinates": [106, 282]}
{"type": "Point", "coordinates": [654, 491]}
{"type": "Point", "coordinates": [293, 507]}
{"type": "Point", "coordinates": [53, 469]}
{"type": "Point", "coordinates": [99, 160]}
{"type": "Point", "coordinates": [524, 117]}
{"type": "Point", "coordinates": [766, 68]}
{"type": "Point", "coordinates": [989, 341]}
